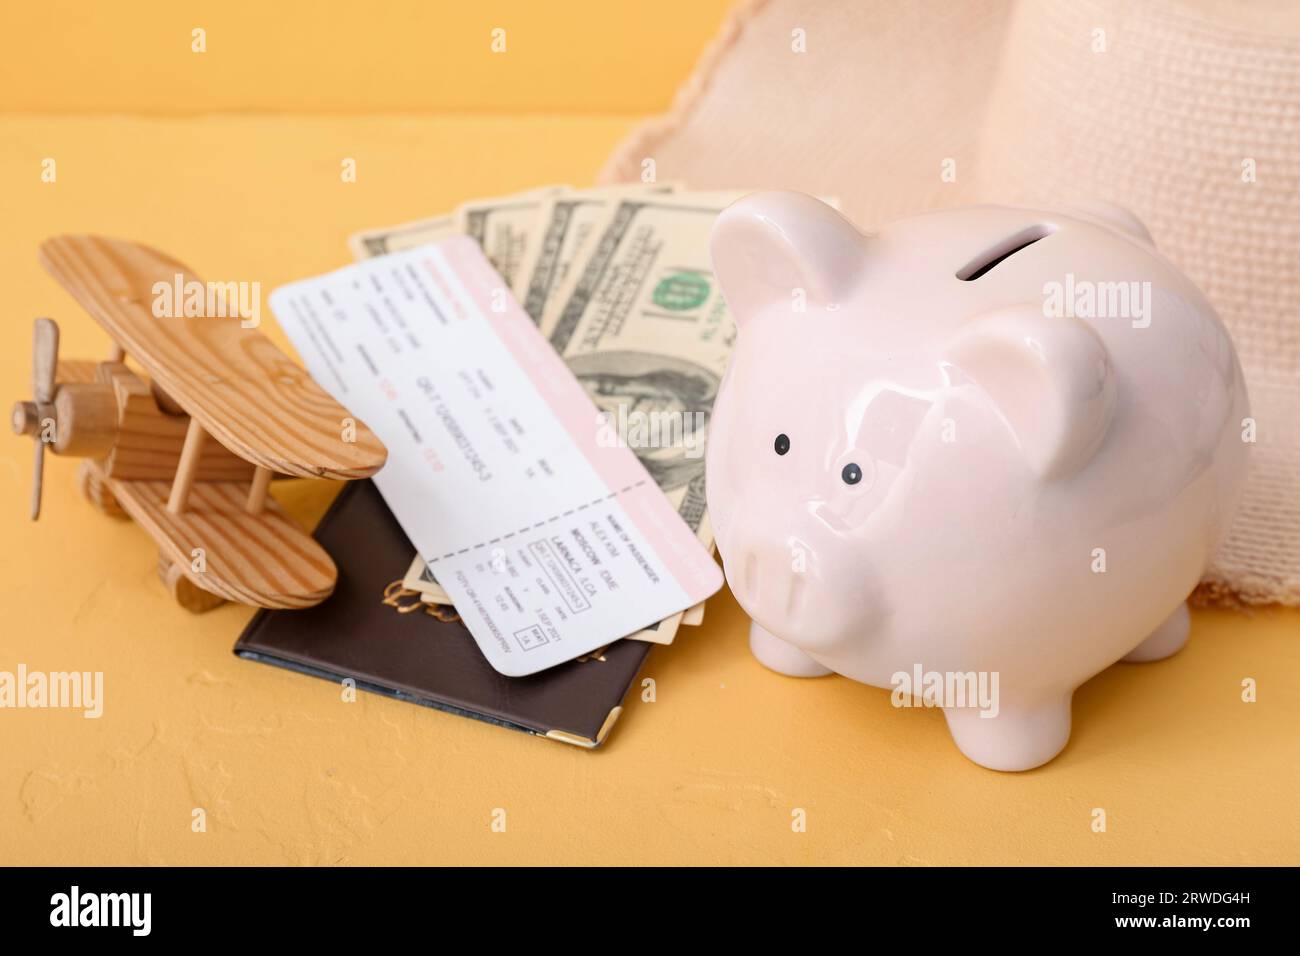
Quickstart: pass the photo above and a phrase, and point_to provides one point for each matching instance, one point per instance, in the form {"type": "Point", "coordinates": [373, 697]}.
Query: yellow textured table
{"type": "Point", "coordinates": [287, 772]}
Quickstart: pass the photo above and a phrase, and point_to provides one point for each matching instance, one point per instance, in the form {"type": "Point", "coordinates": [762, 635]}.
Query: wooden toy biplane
{"type": "Point", "coordinates": [189, 453]}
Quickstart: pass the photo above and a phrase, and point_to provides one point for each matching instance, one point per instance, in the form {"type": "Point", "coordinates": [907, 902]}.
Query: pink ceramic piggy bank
{"type": "Point", "coordinates": [976, 457]}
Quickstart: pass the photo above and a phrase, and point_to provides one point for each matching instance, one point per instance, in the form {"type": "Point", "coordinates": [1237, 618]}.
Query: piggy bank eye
{"type": "Point", "coordinates": [851, 474]}
{"type": "Point", "coordinates": [782, 443]}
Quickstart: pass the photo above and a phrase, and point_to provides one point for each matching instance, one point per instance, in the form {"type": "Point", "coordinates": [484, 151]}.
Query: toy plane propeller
{"type": "Point", "coordinates": [189, 453]}
{"type": "Point", "coordinates": [32, 418]}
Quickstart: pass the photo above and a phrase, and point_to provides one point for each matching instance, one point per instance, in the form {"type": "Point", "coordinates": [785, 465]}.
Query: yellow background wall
{"type": "Point", "coordinates": [337, 56]}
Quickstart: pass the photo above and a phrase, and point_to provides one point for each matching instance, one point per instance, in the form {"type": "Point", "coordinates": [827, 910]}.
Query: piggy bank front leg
{"type": "Point", "coordinates": [782, 656]}
{"type": "Point", "coordinates": [1020, 736]}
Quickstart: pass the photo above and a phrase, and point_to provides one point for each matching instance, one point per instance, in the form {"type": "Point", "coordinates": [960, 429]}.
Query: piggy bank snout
{"type": "Point", "coordinates": [765, 563]}
{"type": "Point", "coordinates": [781, 579]}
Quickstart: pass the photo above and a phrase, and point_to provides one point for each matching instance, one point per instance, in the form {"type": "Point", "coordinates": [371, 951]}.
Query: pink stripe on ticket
{"type": "Point", "coordinates": [617, 466]}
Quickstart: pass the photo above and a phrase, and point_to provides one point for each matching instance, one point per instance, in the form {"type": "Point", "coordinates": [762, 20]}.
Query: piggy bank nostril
{"type": "Point", "coordinates": [794, 599]}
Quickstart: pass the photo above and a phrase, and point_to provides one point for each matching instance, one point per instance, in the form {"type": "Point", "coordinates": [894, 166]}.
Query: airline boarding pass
{"type": "Point", "coordinates": [550, 542]}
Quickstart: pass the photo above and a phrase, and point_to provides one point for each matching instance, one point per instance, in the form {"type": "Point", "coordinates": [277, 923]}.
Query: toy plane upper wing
{"type": "Point", "coordinates": [232, 380]}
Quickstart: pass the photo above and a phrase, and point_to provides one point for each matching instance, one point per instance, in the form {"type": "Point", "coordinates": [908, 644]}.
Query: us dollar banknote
{"type": "Point", "coordinates": [505, 226]}
{"type": "Point", "coordinates": [641, 322]}
{"type": "Point", "coordinates": [559, 235]}
{"type": "Point", "coordinates": [386, 239]}
{"type": "Point", "coordinates": [419, 578]}
{"type": "Point", "coordinates": [502, 222]}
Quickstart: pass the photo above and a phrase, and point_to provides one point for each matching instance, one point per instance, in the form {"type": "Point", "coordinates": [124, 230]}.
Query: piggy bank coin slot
{"type": "Point", "coordinates": [1004, 250]}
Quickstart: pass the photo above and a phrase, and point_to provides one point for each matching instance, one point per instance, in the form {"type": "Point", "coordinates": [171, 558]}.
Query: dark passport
{"type": "Point", "coordinates": [361, 632]}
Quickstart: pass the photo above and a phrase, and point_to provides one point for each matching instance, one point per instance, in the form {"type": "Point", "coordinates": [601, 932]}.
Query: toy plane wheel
{"type": "Point", "coordinates": [94, 488]}
{"type": "Point", "coordinates": [194, 599]}
{"type": "Point", "coordinates": [263, 559]}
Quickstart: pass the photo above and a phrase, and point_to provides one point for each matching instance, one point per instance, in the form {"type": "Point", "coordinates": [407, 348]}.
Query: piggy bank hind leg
{"type": "Point", "coordinates": [1019, 737]}
{"type": "Point", "coordinates": [1165, 641]}
{"type": "Point", "coordinates": [782, 656]}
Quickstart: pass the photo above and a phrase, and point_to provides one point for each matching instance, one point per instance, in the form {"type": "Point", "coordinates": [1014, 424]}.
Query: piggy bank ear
{"type": "Point", "coordinates": [1050, 378]}
{"type": "Point", "coordinates": [770, 244]}
{"type": "Point", "coordinates": [1117, 217]}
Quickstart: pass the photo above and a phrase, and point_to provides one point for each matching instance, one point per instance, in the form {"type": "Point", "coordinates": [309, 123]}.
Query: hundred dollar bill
{"type": "Point", "coordinates": [381, 241]}
{"type": "Point", "coordinates": [641, 322]}
{"type": "Point", "coordinates": [504, 226]}
{"type": "Point", "coordinates": [419, 578]}
{"type": "Point", "coordinates": [559, 233]}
